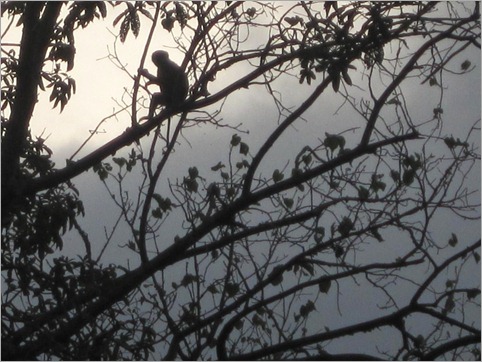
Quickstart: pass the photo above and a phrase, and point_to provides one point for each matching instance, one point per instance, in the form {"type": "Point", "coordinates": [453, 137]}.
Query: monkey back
{"type": "Point", "coordinates": [171, 79]}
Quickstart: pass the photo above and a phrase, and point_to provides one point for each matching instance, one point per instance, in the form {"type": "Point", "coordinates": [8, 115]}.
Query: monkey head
{"type": "Point", "coordinates": [160, 57]}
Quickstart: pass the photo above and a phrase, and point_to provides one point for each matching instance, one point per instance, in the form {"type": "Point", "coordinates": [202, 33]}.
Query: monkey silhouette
{"type": "Point", "coordinates": [170, 78]}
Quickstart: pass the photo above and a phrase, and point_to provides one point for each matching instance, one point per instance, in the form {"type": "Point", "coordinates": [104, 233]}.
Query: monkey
{"type": "Point", "coordinates": [171, 79]}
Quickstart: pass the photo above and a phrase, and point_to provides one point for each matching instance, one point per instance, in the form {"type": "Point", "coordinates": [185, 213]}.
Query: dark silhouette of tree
{"type": "Point", "coordinates": [337, 246]}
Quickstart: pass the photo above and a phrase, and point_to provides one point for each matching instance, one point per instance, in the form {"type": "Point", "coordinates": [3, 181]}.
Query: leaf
{"type": "Point", "coordinates": [334, 141]}
{"type": "Point", "coordinates": [472, 293]}
{"type": "Point", "coordinates": [308, 266]}
{"type": "Point", "coordinates": [188, 279]}
{"type": "Point", "coordinates": [419, 341]}
{"type": "Point", "coordinates": [476, 257]}
{"type": "Point", "coordinates": [395, 175]}
{"type": "Point", "coordinates": [335, 83]}
{"type": "Point", "coordinates": [251, 12]}
{"type": "Point", "coordinates": [243, 148]}
{"type": "Point", "coordinates": [438, 111]}
{"type": "Point", "coordinates": [452, 143]}
{"type": "Point", "coordinates": [117, 19]}
{"type": "Point", "coordinates": [165, 204]}
{"type": "Point", "coordinates": [394, 100]}
{"type": "Point", "coordinates": [288, 202]}
{"type": "Point", "coordinates": [157, 213]}
{"type": "Point", "coordinates": [307, 309]}
{"type": "Point", "coordinates": [218, 166]}
{"type": "Point", "coordinates": [377, 185]}
{"type": "Point", "coordinates": [465, 65]}
{"type": "Point", "coordinates": [363, 193]}
{"type": "Point", "coordinates": [453, 240]}
{"type": "Point", "coordinates": [225, 175]}
{"type": "Point", "coordinates": [168, 23]}
{"type": "Point", "coordinates": [193, 172]}
{"type": "Point", "coordinates": [231, 289]}
{"type": "Point", "coordinates": [212, 289]}
{"type": "Point", "coordinates": [257, 321]}
{"type": "Point", "coordinates": [408, 177]}
{"type": "Point", "coordinates": [277, 176]}
{"type": "Point", "coordinates": [102, 8]}
{"type": "Point", "coordinates": [190, 184]}
{"type": "Point", "coordinates": [307, 159]}
{"type": "Point", "coordinates": [339, 251]}
{"type": "Point", "coordinates": [102, 169]}
{"type": "Point", "coordinates": [157, 197]}
{"type": "Point", "coordinates": [230, 191]}
{"type": "Point", "coordinates": [278, 275]}
{"type": "Point", "coordinates": [307, 74]}
{"type": "Point", "coordinates": [235, 140]}
{"type": "Point", "coordinates": [376, 234]}
{"type": "Point", "coordinates": [296, 172]}
{"type": "Point", "coordinates": [449, 304]}
{"type": "Point", "coordinates": [124, 29]}
{"type": "Point", "coordinates": [63, 102]}
{"type": "Point", "coordinates": [319, 234]}
{"type": "Point", "coordinates": [413, 162]}
{"type": "Point", "coordinates": [135, 24]}
{"type": "Point", "coordinates": [146, 13]}
{"type": "Point", "coordinates": [346, 77]}
{"type": "Point", "coordinates": [345, 226]}
{"type": "Point", "coordinates": [325, 286]}
{"type": "Point", "coordinates": [292, 21]}
{"type": "Point", "coordinates": [260, 311]}
{"type": "Point", "coordinates": [120, 161]}
{"type": "Point", "coordinates": [239, 324]}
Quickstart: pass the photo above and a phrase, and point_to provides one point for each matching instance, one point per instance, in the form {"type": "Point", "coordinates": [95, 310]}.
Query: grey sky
{"type": "Point", "coordinates": [100, 92]}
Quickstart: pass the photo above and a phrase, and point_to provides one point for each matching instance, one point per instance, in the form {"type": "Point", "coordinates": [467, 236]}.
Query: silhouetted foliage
{"type": "Point", "coordinates": [302, 238]}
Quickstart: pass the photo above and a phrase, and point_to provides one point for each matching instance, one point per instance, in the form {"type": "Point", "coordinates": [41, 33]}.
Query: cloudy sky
{"type": "Point", "coordinates": [101, 88]}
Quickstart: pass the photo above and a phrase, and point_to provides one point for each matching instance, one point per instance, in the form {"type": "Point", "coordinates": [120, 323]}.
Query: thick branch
{"type": "Point", "coordinates": [35, 42]}
{"type": "Point", "coordinates": [450, 346]}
